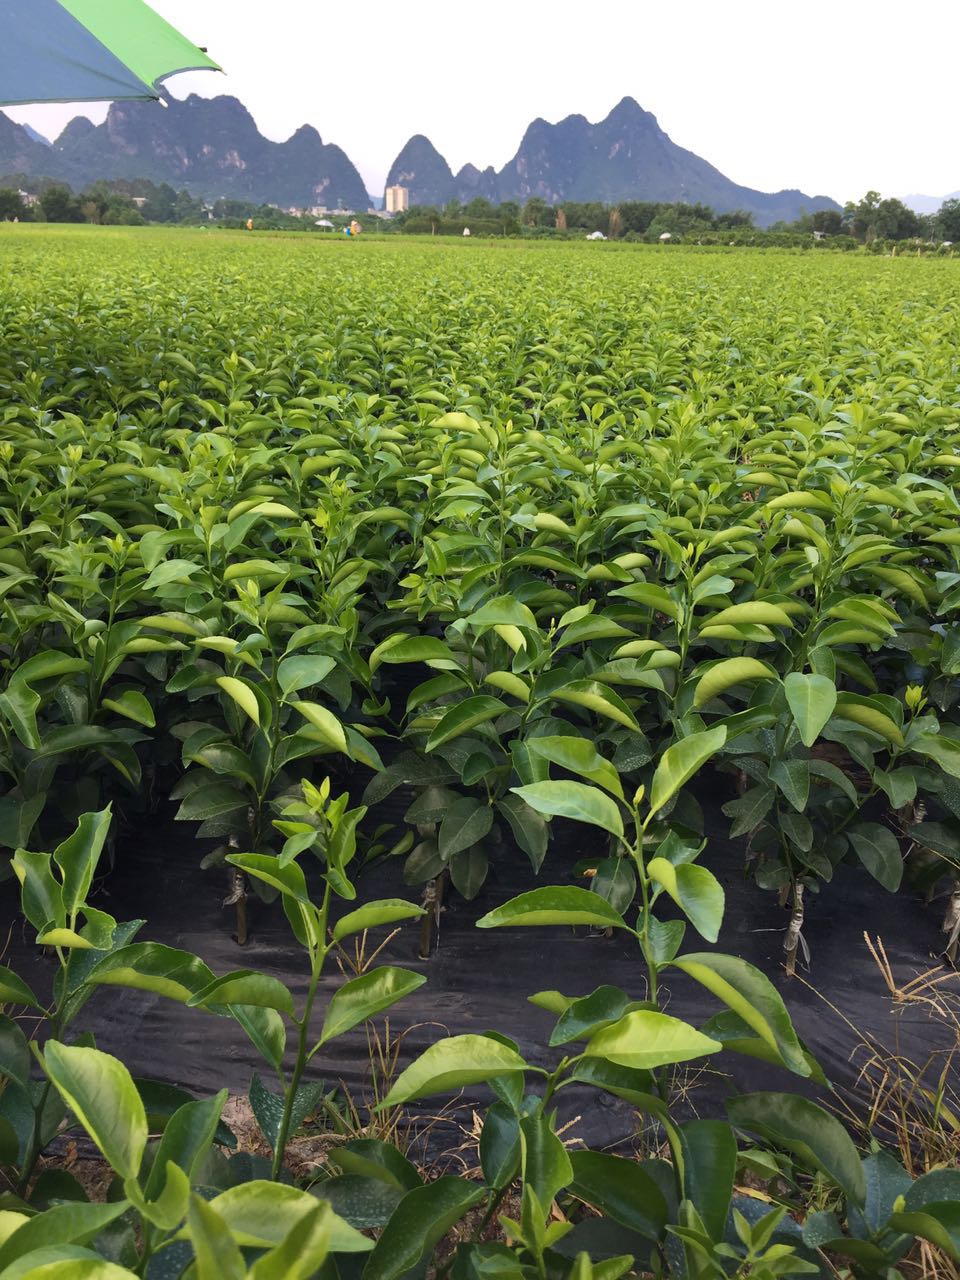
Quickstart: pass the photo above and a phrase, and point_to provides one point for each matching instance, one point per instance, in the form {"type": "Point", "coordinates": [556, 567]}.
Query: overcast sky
{"type": "Point", "coordinates": [833, 98]}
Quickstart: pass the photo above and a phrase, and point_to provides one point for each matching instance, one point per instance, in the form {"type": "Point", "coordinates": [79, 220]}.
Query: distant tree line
{"type": "Point", "coordinates": [870, 219]}
{"type": "Point", "coordinates": [873, 221]}
{"type": "Point", "coordinates": [134, 202]}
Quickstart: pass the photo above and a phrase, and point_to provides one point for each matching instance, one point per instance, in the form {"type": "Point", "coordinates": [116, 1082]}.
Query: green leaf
{"type": "Point", "coordinates": [217, 1254]}
{"type": "Point", "coordinates": [507, 682]}
{"type": "Point", "coordinates": [573, 800]}
{"type": "Point", "coordinates": [577, 755]}
{"type": "Point", "coordinates": [245, 986]}
{"type": "Point", "coordinates": [326, 724]}
{"type": "Point", "coordinates": [644, 1039]}
{"type": "Point", "coordinates": [41, 898]}
{"type": "Point", "coordinates": [621, 1189]}
{"type": "Point", "coordinates": [261, 1215]}
{"type": "Point", "coordinates": [20, 704]}
{"type": "Point", "coordinates": [288, 877]}
{"type": "Point", "coordinates": [100, 1092]}
{"type": "Point", "coordinates": [465, 821]}
{"type": "Point", "coordinates": [680, 762]}
{"type": "Point", "coordinates": [649, 594]}
{"type": "Point", "coordinates": [464, 716]}
{"type": "Point", "coordinates": [596, 697]}
{"type": "Point", "coordinates": [413, 649]}
{"type": "Point", "coordinates": [422, 1218]}
{"type": "Point", "coordinates": [303, 671]}
{"type": "Point", "coordinates": [709, 1168]}
{"type": "Point", "coordinates": [60, 1224]}
{"type": "Point", "coordinates": [210, 800]}
{"type": "Point", "coordinates": [384, 911]}
{"type": "Point", "coordinates": [582, 1017]}
{"type": "Point", "coordinates": [78, 856]}
{"type": "Point", "coordinates": [451, 1064]}
{"type": "Point", "coordinates": [133, 706]}
{"type": "Point", "coordinates": [468, 871]}
{"type": "Point", "coordinates": [664, 938]}
{"type": "Point", "coordinates": [867, 713]}
{"type": "Point", "coordinates": [503, 612]}
{"type": "Point", "coordinates": [151, 966]}
{"type": "Point", "coordinates": [753, 611]}
{"type": "Point", "coordinates": [546, 1164]}
{"type": "Point", "coordinates": [303, 1250]}
{"type": "Point", "coordinates": [242, 694]}
{"type": "Point", "coordinates": [499, 1146]}
{"type": "Point", "coordinates": [13, 989]}
{"type": "Point", "coordinates": [695, 890]}
{"type": "Point", "coordinates": [792, 778]}
{"type": "Point", "coordinates": [815, 1137]}
{"type": "Point", "coordinates": [879, 851]}
{"type": "Point", "coordinates": [371, 1158]}
{"type": "Point", "coordinates": [938, 1223]}
{"type": "Point", "coordinates": [529, 829]}
{"type": "Point", "coordinates": [364, 997]}
{"type": "Point", "coordinates": [811, 699]}
{"type": "Point", "coordinates": [266, 1030]}
{"type": "Point", "coordinates": [937, 746]}
{"type": "Point", "coordinates": [557, 904]}
{"type": "Point", "coordinates": [728, 672]}
{"type": "Point", "coordinates": [753, 997]}
{"type": "Point", "coordinates": [186, 1140]}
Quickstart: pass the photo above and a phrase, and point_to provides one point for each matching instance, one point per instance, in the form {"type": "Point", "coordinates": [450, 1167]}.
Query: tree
{"type": "Point", "coordinates": [161, 204]}
{"type": "Point", "coordinates": [829, 221]}
{"type": "Point", "coordinates": [948, 220]}
{"type": "Point", "coordinates": [59, 204]}
{"type": "Point", "coordinates": [737, 218]}
{"type": "Point", "coordinates": [873, 218]}
{"type": "Point", "coordinates": [11, 205]}
{"type": "Point", "coordinates": [537, 213]}
{"type": "Point", "coordinates": [479, 207]}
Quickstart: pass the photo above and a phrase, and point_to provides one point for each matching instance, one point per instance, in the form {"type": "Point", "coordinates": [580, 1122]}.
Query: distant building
{"type": "Point", "coordinates": [397, 199]}
{"type": "Point", "coordinates": [29, 198]}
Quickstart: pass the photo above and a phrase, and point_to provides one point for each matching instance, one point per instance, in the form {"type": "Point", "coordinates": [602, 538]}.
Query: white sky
{"type": "Point", "coordinates": [834, 98]}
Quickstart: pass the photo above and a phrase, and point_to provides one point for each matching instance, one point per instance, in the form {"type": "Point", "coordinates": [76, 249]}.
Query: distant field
{"type": "Point", "coordinates": [441, 423]}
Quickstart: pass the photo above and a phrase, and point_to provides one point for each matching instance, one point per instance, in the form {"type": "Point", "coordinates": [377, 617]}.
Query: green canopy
{"type": "Point", "coordinates": [88, 51]}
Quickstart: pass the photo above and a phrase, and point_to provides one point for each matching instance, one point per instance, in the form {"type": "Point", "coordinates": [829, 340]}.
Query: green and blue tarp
{"type": "Point", "coordinates": [88, 51]}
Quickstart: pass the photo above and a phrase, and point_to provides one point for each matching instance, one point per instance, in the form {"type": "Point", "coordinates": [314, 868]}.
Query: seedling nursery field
{"type": "Point", "coordinates": [520, 575]}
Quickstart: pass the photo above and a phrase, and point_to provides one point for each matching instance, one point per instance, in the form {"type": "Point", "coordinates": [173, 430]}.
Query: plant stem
{"type": "Point", "coordinates": [317, 957]}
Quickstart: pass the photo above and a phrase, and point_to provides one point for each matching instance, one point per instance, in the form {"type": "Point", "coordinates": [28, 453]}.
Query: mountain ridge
{"type": "Point", "coordinates": [213, 148]}
{"type": "Point", "coordinates": [210, 146]}
{"type": "Point", "coordinates": [625, 156]}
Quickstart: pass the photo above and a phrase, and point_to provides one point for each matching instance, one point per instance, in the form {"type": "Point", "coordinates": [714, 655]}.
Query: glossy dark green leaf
{"type": "Point", "coordinates": [423, 1217]}
{"type": "Point", "coordinates": [709, 1168]}
{"type": "Point", "coordinates": [621, 1189]}
{"type": "Point", "coordinates": [753, 997]}
{"type": "Point", "coordinates": [465, 821]}
{"type": "Point", "coordinates": [879, 851]}
{"type": "Point", "coordinates": [815, 1137]}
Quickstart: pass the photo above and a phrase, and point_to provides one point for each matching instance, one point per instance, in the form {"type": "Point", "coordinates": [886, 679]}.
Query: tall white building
{"type": "Point", "coordinates": [397, 199]}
